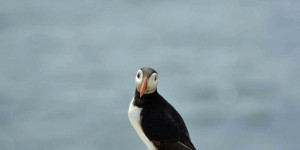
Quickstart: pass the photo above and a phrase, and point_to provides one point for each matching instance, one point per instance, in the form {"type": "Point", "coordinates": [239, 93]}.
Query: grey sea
{"type": "Point", "coordinates": [67, 68]}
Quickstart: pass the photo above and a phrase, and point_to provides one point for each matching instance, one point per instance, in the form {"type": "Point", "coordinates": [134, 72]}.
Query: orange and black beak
{"type": "Point", "coordinates": [144, 86]}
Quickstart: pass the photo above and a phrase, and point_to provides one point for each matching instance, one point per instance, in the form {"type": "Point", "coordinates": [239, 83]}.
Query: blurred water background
{"type": "Point", "coordinates": [67, 68]}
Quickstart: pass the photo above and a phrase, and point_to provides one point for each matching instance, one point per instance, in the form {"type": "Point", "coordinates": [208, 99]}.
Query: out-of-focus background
{"type": "Point", "coordinates": [231, 68]}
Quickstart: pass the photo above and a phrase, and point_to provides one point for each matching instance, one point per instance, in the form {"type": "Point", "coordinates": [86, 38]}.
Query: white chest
{"type": "Point", "coordinates": [135, 120]}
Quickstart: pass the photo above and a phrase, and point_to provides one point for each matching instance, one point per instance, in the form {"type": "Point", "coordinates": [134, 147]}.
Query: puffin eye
{"type": "Point", "coordinates": [138, 75]}
{"type": "Point", "coordinates": [155, 78]}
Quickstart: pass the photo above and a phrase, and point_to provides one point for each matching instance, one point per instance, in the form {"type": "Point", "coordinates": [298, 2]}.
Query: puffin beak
{"type": "Point", "coordinates": [144, 85]}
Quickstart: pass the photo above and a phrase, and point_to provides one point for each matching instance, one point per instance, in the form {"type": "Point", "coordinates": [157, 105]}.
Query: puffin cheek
{"type": "Point", "coordinates": [149, 88]}
{"type": "Point", "coordinates": [138, 86]}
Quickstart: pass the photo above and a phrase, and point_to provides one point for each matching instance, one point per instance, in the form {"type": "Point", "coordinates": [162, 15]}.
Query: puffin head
{"type": "Point", "coordinates": [146, 81]}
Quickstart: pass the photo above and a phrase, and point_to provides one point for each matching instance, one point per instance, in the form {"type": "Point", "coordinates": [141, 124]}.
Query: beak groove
{"type": "Point", "coordinates": [144, 86]}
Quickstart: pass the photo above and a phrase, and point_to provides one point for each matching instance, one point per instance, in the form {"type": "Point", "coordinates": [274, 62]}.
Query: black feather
{"type": "Point", "coordinates": [162, 124]}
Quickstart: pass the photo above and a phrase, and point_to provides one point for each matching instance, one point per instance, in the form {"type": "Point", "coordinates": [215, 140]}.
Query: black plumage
{"type": "Point", "coordinates": [161, 123]}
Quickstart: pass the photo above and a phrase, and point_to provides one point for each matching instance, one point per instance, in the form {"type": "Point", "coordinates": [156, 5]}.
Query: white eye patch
{"type": "Point", "coordinates": [138, 79]}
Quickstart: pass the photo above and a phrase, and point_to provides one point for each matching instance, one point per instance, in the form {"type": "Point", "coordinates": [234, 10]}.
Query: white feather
{"type": "Point", "coordinates": [135, 120]}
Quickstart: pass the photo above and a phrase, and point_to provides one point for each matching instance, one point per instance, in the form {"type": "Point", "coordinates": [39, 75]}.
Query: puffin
{"type": "Point", "coordinates": [155, 120]}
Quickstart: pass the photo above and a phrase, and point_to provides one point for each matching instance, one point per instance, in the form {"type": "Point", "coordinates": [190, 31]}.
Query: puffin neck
{"type": "Point", "coordinates": [145, 99]}
{"type": "Point", "coordinates": [145, 96]}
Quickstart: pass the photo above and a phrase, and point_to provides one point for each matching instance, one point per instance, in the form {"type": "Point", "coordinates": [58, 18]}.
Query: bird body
{"type": "Point", "coordinates": [156, 121]}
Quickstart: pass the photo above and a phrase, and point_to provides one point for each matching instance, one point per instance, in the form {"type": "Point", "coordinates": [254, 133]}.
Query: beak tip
{"type": "Point", "coordinates": [141, 94]}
